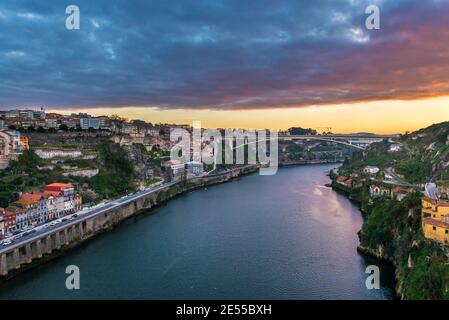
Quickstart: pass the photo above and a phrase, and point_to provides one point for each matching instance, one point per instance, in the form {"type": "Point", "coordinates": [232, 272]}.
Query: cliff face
{"type": "Point", "coordinates": [392, 232]}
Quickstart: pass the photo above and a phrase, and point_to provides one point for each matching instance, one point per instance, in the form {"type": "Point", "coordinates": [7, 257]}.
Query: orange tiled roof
{"type": "Point", "coordinates": [342, 179]}
{"type": "Point", "coordinates": [24, 201]}
{"type": "Point", "coordinates": [60, 185]}
{"type": "Point", "coordinates": [438, 203]}
{"type": "Point", "coordinates": [437, 223]}
{"type": "Point", "coordinates": [400, 190]}
{"type": "Point", "coordinates": [52, 193]}
{"type": "Point", "coordinates": [35, 197]}
{"type": "Point", "coordinates": [13, 211]}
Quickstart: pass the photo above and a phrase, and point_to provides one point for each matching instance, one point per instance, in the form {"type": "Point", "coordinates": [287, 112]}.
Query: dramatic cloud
{"type": "Point", "coordinates": [221, 54]}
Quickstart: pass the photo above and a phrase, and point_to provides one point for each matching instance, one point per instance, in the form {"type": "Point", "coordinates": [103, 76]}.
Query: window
{"type": "Point", "coordinates": [446, 231]}
{"type": "Point", "coordinates": [434, 228]}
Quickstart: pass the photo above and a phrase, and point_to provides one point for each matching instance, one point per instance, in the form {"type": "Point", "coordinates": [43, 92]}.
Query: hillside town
{"type": "Point", "coordinates": [434, 210]}
{"type": "Point", "coordinates": [52, 204]}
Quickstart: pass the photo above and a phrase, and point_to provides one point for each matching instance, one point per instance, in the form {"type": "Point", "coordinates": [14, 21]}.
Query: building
{"type": "Point", "coordinates": [434, 209]}
{"type": "Point", "coordinates": [195, 168]}
{"type": "Point", "coordinates": [2, 223]}
{"type": "Point", "coordinates": [12, 144]}
{"type": "Point", "coordinates": [51, 123]}
{"type": "Point", "coordinates": [175, 170]}
{"type": "Point", "coordinates": [24, 142]}
{"type": "Point", "coordinates": [377, 191]}
{"type": "Point", "coordinates": [72, 200]}
{"type": "Point", "coordinates": [436, 230]}
{"type": "Point", "coordinates": [345, 181]}
{"type": "Point", "coordinates": [104, 122]}
{"type": "Point", "coordinates": [395, 147]}
{"type": "Point", "coordinates": [9, 219]}
{"type": "Point", "coordinates": [26, 214]}
{"type": "Point", "coordinates": [54, 203]}
{"type": "Point", "coordinates": [435, 219]}
{"type": "Point", "coordinates": [399, 193]}
{"type": "Point", "coordinates": [371, 170]}
{"type": "Point", "coordinates": [40, 205]}
{"type": "Point", "coordinates": [89, 123]}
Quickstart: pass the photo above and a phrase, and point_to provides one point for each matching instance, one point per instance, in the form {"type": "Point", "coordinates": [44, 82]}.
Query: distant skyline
{"type": "Point", "coordinates": [255, 63]}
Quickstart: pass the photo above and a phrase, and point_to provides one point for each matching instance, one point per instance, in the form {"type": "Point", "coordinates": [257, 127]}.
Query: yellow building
{"type": "Point", "coordinates": [435, 209]}
{"type": "Point", "coordinates": [435, 219]}
{"type": "Point", "coordinates": [24, 142]}
{"type": "Point", "coordinates": [436, 230]}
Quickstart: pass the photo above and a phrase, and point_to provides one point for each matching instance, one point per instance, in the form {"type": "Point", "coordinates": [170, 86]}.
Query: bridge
{"type": "Point", "coordinates": [359, 141]}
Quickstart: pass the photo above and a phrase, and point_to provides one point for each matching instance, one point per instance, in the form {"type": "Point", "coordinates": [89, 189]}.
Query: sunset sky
{"type": "Point", "coordinates": [232, 63]}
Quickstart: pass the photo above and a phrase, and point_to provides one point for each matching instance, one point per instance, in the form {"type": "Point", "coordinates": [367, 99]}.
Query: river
{"type": "Point", "coordinates": [286, 236]}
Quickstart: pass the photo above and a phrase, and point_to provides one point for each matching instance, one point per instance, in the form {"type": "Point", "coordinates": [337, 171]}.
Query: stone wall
{"type": "Point", "coordinates": [49, 246]}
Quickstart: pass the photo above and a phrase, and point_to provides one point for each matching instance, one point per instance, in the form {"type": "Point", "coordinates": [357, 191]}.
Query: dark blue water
{"type": "Point", "coordinates": [285, 236]}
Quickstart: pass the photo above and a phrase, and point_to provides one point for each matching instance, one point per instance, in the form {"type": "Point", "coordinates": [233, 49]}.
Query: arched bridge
{"type": "Point", "coordinates": [360, 142]}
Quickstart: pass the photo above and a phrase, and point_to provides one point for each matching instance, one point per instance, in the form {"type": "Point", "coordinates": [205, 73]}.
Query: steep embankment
{"type": "Point", "coordinates": [392, 229]}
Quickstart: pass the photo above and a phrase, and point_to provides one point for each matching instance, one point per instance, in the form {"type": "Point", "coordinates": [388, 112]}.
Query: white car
{"type": "Point", "coordinates": [7, 242]}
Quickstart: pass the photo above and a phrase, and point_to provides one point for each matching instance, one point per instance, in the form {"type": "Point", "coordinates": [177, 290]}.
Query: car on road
{"type": "Point", "coordinates": [7, 242]}
{"type": "Point", "coordinates": [26, 233]}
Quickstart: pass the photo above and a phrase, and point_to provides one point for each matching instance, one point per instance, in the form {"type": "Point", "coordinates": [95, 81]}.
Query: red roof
{"type": "Point", "coordinates": [437, 223]}
{"type": "Point", "coordinates": [60, 185]}
{"type": "Point", "coordinates": [438, 203]}
{"type": "Point", "coordinates": [400, 190]}
{"type": "Point", "coordinates": [52, 193]}
{"type": "Point", "coordinates": [34, 197]}
{"type": "Point", "coordinates": [342, 179]}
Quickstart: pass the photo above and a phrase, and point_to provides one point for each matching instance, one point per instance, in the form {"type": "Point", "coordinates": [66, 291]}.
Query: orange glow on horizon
{"type": "Point", "coordinates": [386, 116]}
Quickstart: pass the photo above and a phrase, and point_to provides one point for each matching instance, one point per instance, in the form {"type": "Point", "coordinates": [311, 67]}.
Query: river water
{"type": "Point", "coordinates": [286, 236]}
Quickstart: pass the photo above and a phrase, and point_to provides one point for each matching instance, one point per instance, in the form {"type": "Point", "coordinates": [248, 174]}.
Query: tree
{"type": "Point", "coordinates": [63, 127]}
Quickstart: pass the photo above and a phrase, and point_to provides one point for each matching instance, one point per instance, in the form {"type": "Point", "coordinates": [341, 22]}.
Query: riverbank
{"type": "Point", "coordinates": [52, 246]}
{"type": "Point", "coordinates": [392, 232]}
{"type": "Point", "coordinates": [285, 236]}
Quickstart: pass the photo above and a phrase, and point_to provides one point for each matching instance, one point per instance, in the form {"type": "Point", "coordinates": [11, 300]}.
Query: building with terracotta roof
{"type": "Point", "coordinates": [40, 203]}
{"type": "Point", "coordinates": [435, 209]}
{"type": "Point", "coordinates": [377, 191]}
{"type": "Point", "coordinates": [436, 230]}
{"type": "Point", "coordinates": [435, 219]}
{"type": "Point", "coordinates": [72, 200]}
{"type": "Point", "coordinates": [400, 193]}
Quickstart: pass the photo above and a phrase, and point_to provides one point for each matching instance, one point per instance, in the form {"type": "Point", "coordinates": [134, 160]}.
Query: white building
{"type": "Point", "coordinates": [371, 170]}
{"type": "Point", "coordinates": [395, 147]}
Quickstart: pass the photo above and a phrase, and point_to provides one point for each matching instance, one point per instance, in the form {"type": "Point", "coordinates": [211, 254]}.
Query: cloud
{"type": "Point", "coordinates": [221, 54]}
